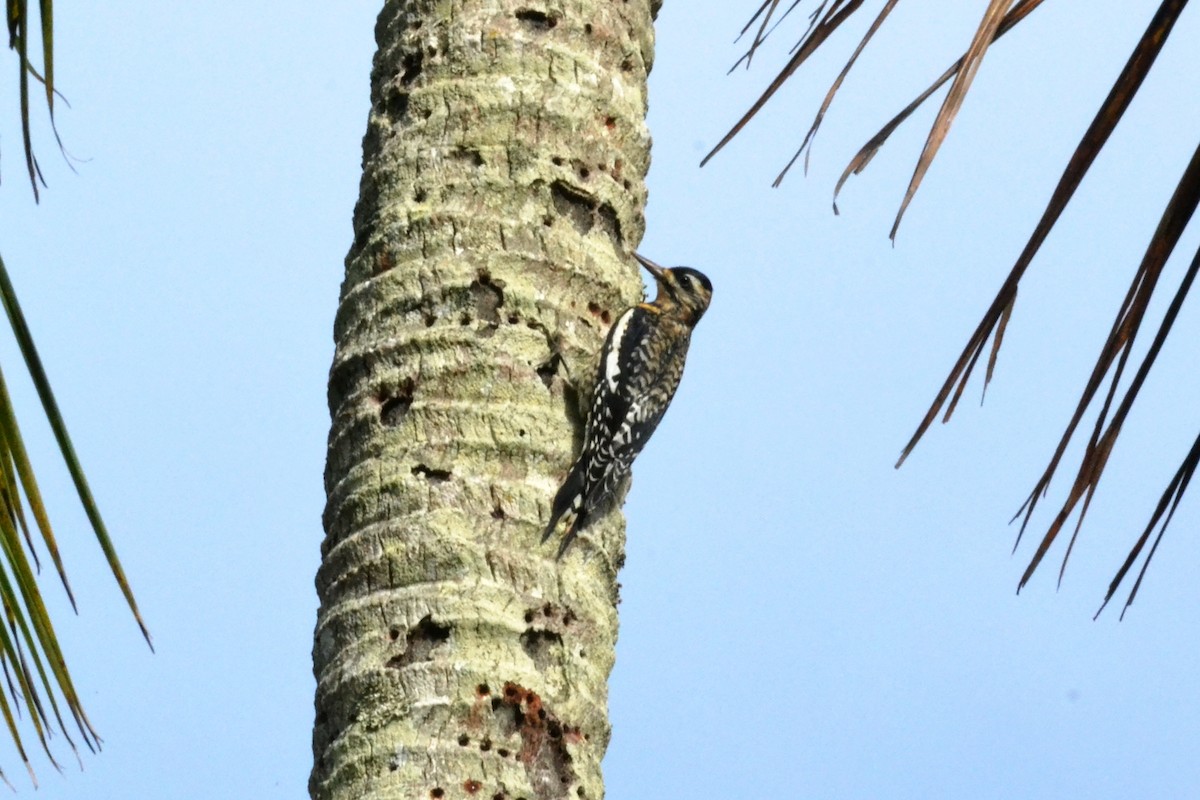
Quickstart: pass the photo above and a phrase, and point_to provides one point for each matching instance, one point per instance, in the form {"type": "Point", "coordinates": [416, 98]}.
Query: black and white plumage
{"type": "Point", "coordinates": [640, 367]}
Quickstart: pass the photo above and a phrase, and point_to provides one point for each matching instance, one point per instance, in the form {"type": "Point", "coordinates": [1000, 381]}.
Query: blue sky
{"type": "Point", "coordinates": [798, 618]}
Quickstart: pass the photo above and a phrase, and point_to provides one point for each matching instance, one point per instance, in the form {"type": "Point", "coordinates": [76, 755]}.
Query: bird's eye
{"type": "Point", "coordinates": [685, 281]}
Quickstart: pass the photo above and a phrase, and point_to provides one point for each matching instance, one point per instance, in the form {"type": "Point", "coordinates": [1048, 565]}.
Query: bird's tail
{"type": "Point", "coordinates": [568, 504]}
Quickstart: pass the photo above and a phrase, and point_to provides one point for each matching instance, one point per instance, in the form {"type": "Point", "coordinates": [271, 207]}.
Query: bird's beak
{"type": "Point", "coordinates": [651, 267]}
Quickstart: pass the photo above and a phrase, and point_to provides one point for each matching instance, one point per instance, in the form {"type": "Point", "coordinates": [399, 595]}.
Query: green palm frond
{"type": "Point", "coordinates": [29, 650]}
{"type": "Point", "coordinates": [35, 670]}
{"type": "Point", "coordinates": [999, 17]}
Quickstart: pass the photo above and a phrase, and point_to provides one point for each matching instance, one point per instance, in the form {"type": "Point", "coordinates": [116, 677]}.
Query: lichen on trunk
{"type": "Point", "coordinates": [502, 190]}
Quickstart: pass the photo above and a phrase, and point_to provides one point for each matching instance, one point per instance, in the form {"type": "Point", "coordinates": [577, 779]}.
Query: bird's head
{"type": "Point", "coordinates": [682, 288]}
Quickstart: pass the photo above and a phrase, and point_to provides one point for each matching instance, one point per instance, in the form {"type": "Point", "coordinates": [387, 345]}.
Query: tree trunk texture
{"type": "Point", "coordinates": [502, 191]}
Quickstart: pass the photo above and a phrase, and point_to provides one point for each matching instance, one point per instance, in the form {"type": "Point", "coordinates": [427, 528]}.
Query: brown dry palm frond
{"type": "Point", "coordinates": [17, 13]}
{"type": "Point", "coordinates": [35, 669]}
{"type": "Point", "coordinates": [999, 17]}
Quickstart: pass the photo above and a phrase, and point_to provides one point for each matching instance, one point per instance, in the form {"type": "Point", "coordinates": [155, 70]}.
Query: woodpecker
{"type": "Point", "coordinates": [640, 367]}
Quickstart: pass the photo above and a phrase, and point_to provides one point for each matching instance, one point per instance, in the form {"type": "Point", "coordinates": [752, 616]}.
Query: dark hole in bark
{"type": "Point", "coordinates": [395, 105]}
{"type": "Point", "coordinates": [393, 409]}
{"type": "Point", "coordinates": [470, 155]}
{"type": "Point", "coordinates": [543, 752]}
{"type": "Point", "coordinates": [536, 20]}
{"type": "Point", "coordinates": [412, 67]}
{"type": "Point", "coordinates": [548, 370]}
{"type": "Point", "coordinates": [584, 212]}
{"type": "Point", "coordinates": [431, 474]}
{"type": "Point", "coordinates": [576, 206]}
{"type": "Point", "coordinates": [540, 645]}
{"type": "Point", "coordinates": [603, 313]}
{"type": "Point", "coordinates": [610, 222]}
{"type": "Point", "coordinates": [420, 643]}
{"type": "Point", "coordinates": [489, 297]}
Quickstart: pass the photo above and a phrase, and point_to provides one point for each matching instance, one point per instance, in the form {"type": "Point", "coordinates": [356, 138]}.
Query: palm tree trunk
{"type": "Point", "coordinates": [502, 187]}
